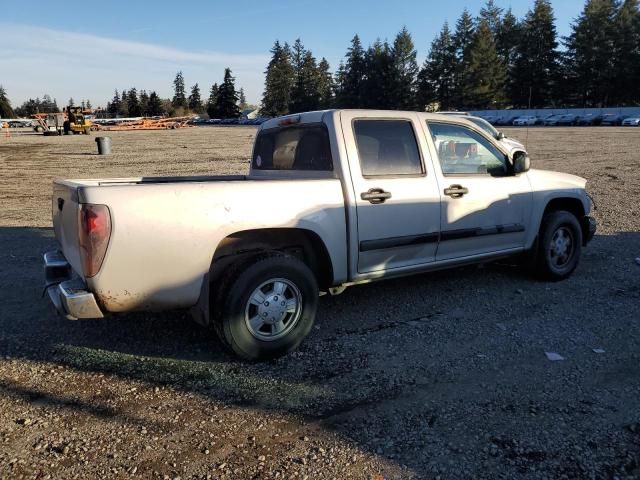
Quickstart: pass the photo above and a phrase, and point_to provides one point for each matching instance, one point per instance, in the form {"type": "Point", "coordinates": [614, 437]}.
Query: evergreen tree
{"type": "Point", "coordinates": [535, 70]}
{"type": "Point", "coordinates": [212, 103]}
{"type": "Point", "coordinates": [143, 99]}
{"type": "Point", "coordinates": [589, 53]}
{"type": "Point", "coordinates": [82, 104]}
{"type": "Point", "coordinates": [114, 105]}
{"type": "Point", "coordinates": [195, 102]}
{"type": "Point", "coordinates": [278, 82]}
{"type": "Point", "coordinates": [179, 98]}
{"type": "Point", "coordinates": [297, 56]}
{"type": "Point", "coordinates": [132, 103]}
{"type": "Point", "coordinates": [155, 105]}
{"type": "Point", "coordinates": [242, 100]}
{"type": "Point", "coordinates": [484, 82]}
{"type": "Point", "coordinates": [404, 72]}
{"type": "Point", "coordinates": [29, 107]}
{"type": "Point", "coordinates": [5, 105]}
{"type": "Point", "coordinates": [492, 14]}
{"type": "Point", "coordinates": [626, 54]}
{"type": "Point", "coordinates": [352, 77]}
{"type": "Point", "coordinates": [507, 41]}
{"type": "Point", "coordinates": [227, 101]}
{"type": "Point", "coordinates": [89, 106]}
{"type": "Point", "coordinates": [325, 84]}
{"type": "Point", "coordinates": [305, 95]}
{"type": "Point", "coordinates": [338, 83]}
{"type": "Point", "coordinates": [71, 103]}
{"type": "Point", "coordinates": [462, 40]}
{"type": "Point", "coordinates": [437, 82]}
{"type": "Point", "coordinates": [47, 105]}
{"type": "Point", "coordinates": [123, 108]}
{"type": "Point", "coordinates": [379, 88]}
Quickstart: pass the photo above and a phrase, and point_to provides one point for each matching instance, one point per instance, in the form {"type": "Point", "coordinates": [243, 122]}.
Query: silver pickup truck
{"type": "Point", "coordinates": [332, 199]}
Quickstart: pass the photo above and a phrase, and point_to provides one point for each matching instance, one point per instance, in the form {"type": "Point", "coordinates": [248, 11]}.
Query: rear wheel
{"type": "Point", "coordinates": [266, 306]}
{"type": "Point", "coordinates": [559, 247]}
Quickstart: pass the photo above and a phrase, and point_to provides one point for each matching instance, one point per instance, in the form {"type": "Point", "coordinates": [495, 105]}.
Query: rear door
{"type": "Point", "coordinates": [485, 207]}
{"type": "Point", "coordinates": [396, 192]}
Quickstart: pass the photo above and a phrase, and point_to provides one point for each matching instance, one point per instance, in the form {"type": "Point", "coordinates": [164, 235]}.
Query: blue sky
{"type": "Point", "coordinates": [85, 51]}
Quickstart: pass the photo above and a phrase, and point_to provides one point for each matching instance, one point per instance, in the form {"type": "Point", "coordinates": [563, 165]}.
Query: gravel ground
{"type": "Point", "coordinates": [433, 376]}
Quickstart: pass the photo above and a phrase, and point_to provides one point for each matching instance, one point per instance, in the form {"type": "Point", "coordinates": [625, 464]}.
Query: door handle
{"type": "Point", "coordinates": [456, 191]}
{"type": "Point", "coordinates": [375, 196]}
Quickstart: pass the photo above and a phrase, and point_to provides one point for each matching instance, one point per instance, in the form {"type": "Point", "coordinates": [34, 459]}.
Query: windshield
{"type": "Point", "coordinates": [486, 126]}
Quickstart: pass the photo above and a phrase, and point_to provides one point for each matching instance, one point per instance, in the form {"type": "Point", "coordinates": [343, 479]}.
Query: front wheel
{"type": "Point", "coordinates": [559, 247]}
{"type": "Point", "coordinates": [266, 307]}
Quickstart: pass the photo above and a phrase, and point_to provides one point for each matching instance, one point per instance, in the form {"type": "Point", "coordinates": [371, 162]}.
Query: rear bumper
{"type": "Point", "coordinates": [69, 295]}
{"type": "Point", "coordinates": [589, 227]}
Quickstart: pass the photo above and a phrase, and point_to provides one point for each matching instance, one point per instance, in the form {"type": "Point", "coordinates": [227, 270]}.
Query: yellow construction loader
{"type": "Point", "coordinates": [77, 121]}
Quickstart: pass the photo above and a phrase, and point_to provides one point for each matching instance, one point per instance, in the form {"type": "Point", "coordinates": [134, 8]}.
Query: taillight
{"type": "Point", "coordinates": [94, 231]}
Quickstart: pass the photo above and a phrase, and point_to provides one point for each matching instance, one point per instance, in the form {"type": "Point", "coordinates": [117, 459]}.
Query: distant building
{"type": "Point", "coordinates": [250, 113]}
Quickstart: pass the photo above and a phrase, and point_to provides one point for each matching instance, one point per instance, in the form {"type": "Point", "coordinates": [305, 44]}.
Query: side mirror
{"type": "Point", "coordinates": [500, 136]}
{"type": "Point", "coordinates": [521, 162]}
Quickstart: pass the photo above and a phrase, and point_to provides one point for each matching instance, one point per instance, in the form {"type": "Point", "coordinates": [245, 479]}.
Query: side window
{"type": "Point", "coordinates": [387, 147]}
{"type": "Point", "coordinates": [293, 148]}
{"type": "Point", "coordinates": [463, 151]}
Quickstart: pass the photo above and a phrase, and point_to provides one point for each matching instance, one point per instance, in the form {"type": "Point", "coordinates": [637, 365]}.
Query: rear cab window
{"type": "Point", "coordinates": [300, 147]}
{"type": "Point", "coordinates": [387, 148]}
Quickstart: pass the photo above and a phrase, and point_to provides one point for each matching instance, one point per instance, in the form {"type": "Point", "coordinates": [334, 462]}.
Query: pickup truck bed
{"type": "Point", "coordinates": [165, 232]}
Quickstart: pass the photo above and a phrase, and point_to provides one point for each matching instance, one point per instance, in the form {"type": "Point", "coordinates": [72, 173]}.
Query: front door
{"type": "Point", "coordinates": [396, 193]}
{"type": "Point", "coordinates": [484, 206]}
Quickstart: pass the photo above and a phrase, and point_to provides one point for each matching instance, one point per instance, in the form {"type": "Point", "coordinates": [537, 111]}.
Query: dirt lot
{"type": "Point", "coordinates": [434, 376]}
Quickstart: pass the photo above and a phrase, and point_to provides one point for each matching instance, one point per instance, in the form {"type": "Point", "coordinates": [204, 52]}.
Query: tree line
{"type": "Point", "coordinates": [224, 100]}
{"type": "Point", "coordinates": [493, 60]}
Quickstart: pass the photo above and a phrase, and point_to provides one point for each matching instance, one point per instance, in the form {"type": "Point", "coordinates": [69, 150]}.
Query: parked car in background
{"type": "Point", "coordinates": [611, 119]}
{"type": "Point", "coordinates": [552, 120]}
{"type": "Point", "coordinates": [509, 143]}
{"type": "Point", "coordinates": [540, 119]}
{"type": "Point", "coordinates": [589, 119]}
{"type": "Point", "coordinates": [631, 121]}
{"type": "Point", "coordinates": [525, 120]}
{"type": "Point", "coordinates": [568, 119]}
{"type": "Point", "coordinates": [19, 123]}
{"type": "Point", "coordinates": [490, 118]}
{"type": "Point", "coordinates": [505, 119]}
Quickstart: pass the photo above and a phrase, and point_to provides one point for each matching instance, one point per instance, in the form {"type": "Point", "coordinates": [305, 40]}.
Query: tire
{"type": "Point", "coordinates": [281, 283]}
{"type": "Point", "coordinates": [559, 246]}
{"type": "Point", "coordinates": [66, 126]}
{"type": "Point", "coordinates": [86, 130]}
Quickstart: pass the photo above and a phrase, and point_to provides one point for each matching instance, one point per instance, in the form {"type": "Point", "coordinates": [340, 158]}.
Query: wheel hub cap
{"type": "Point", "coordinates": [561, 247]}
{"type": "Point", "coordinates": [273, 309]}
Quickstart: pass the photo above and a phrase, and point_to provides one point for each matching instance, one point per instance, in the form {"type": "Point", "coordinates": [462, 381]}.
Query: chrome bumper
{"type": "Point", "coordinates": [69, 295]}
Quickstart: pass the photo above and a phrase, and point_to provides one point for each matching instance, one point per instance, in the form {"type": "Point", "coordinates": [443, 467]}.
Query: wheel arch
{"type": "Point", "coordinates": [570, 204]}
{"type": "Point", "coordinates": [302, 243]}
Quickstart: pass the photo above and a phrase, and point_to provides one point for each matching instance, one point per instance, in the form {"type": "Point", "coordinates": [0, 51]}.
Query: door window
{"type": "Point", "coordinates": [463, 151]}
{"type": "Point", "coordinates": [387, 148]}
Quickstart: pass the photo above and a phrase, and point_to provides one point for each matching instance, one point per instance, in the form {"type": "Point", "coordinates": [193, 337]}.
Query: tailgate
{"type": "Point", "coordinates": [64, 208]}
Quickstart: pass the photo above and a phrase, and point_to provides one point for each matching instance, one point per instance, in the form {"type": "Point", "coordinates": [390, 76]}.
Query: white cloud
{"type": "Point", "coordinates": [66, 64]}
